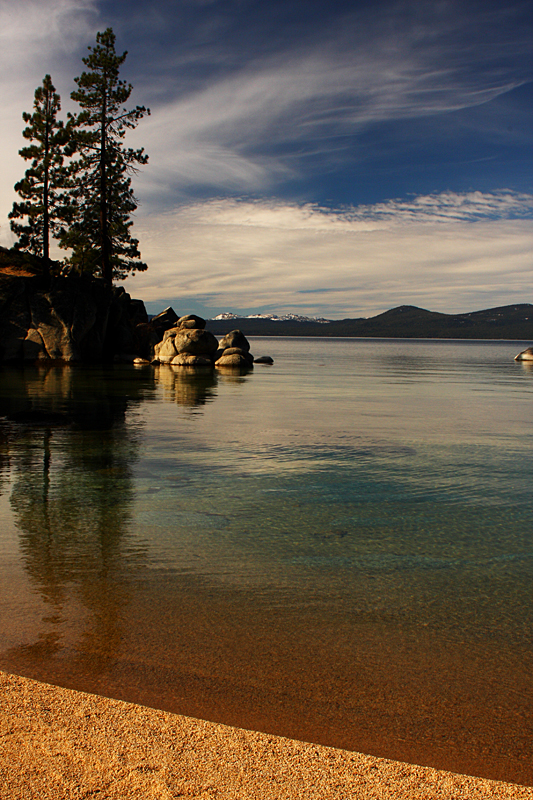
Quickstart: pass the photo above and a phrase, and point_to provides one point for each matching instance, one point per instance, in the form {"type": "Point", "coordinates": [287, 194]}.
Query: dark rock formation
{"type": "Point", "coordinates": [75, 318]}
{"type": "Point", "coordinates": [264, 360]}
{"type": "Point", "coordinates": [163, 321]}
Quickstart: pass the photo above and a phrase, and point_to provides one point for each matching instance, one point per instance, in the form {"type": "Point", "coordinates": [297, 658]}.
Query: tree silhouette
{"type": "Point", "coordinates": [44, 207]}
{"type": "Point", "coordinates": [100, 236]}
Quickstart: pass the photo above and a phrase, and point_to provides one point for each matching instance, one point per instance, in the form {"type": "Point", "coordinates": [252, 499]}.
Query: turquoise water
{"type": "Point", "coordinates": [337, 548]}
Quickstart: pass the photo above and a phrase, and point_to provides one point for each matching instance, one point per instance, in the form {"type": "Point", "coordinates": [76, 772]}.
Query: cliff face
{"type": "Point", "coordinates": [74, 318]}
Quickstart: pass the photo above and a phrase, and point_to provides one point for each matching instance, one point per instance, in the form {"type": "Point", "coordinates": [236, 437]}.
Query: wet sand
{"type": "Point", "coordinates": [57, 743]}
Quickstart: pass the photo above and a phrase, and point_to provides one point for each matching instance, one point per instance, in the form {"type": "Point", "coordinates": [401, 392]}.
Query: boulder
{"type": "Point", "coordinates": [186, 360]}
{"type": "Point", "coordinates": [231, 351]}
{"type": "Point", "coordinates": [235, 339]}
{"type": "Point", "coordinates": [195, 342]}
{"type": "Point", "coordinates": [234, 360]}
{"type": "Point", "coordinates": [264, 360]}
{"type": "Point", "coordinates": [165, 350]}
{"type": "Point", "coordinates": [163, 321]}
{"type": "Point", "coordinates": [191, 321]}
{"type": "Point", "coordinates": [525, 355]}
{"type": "Point", "coordinates": [146, 338]}
{"type": "Point", "coordinates": [137, 312]}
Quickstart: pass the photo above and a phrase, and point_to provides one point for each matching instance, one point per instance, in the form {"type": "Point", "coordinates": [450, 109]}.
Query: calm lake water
{"type": "Point", "coordinates": [336, 548]}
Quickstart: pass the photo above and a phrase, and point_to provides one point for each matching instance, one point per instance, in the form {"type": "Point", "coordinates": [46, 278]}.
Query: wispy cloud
{"type": "Point", "coordinates": [445, 252]}
{"type": "Point", "coordinates": [246, 129]}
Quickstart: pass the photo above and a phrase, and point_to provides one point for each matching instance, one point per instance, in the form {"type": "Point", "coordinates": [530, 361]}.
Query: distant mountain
{"type": "Point", "coordinates": [405, 322]}
{"type": "Point", "coordinates": [274, 317]}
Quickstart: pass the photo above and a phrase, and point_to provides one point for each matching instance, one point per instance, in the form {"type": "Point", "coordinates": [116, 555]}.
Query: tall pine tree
{"type": "Point", "coordinates": [44, 207]}
{"type": "Point", "coordinates": [100, 236]}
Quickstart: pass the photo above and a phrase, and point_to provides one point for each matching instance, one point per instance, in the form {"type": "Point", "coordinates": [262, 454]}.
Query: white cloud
{"type": "Point", "coordinates": [36, 37]}
{"type": "Point", "coordinates": [237, 255]}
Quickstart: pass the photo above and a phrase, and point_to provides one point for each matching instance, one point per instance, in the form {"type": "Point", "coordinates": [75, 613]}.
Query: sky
{"type": "Point", "coordinates": [331, 159]}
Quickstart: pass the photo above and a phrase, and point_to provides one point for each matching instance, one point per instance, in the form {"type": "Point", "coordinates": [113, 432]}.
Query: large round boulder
{"type": "Point", "coordinates": [196, 342]}
{"type": "Point", "coordinates": [193, 341]}
{"type": "Point", "coordinates": [235, 339]}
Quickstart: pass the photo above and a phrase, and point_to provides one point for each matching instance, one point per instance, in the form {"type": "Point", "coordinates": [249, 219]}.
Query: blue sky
{"type": "Point", "coordinates": [326, 158]}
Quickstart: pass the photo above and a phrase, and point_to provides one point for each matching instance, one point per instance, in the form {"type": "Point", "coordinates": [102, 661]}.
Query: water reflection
{"type": "Point", "coordinates": [323, 553]}
{"type": "Point", "coordinates": [71, 452]}
{"type": "Point", "coordinates": [187, 386]}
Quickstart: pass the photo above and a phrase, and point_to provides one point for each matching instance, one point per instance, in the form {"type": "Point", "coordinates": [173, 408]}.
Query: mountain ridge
{"type": "Point", "coordinates": [410, 322]}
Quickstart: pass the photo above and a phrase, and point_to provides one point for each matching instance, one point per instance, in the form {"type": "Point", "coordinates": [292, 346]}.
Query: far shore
{"type": "Point", "coordinates": [60, 744]}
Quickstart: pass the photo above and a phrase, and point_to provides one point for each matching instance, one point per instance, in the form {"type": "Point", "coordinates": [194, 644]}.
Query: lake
{"type": "Point", "coordinates": [337, 548]}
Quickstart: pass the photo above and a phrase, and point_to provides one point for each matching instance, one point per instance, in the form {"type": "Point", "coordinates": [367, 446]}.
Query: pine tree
{"type": "Point", "coordinates": [44, 206]}
{"type": "Point", "coordinates": [100, 236]}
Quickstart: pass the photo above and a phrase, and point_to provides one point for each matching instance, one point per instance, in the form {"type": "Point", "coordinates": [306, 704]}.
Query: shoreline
{"type": "Point", "coordinates": [59, 743]}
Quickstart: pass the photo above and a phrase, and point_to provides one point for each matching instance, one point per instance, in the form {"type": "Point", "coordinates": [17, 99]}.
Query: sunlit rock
{"type": "Point", "coordinates": [235, 338]}
{"type": "Point", "coordinates": [525, 355]}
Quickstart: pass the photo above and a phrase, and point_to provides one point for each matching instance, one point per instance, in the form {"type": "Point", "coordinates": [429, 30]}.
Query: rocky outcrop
{"type": "Point", "coordinates": [75, 318]}
{"type": "Point", "coordinates": [63, 319]}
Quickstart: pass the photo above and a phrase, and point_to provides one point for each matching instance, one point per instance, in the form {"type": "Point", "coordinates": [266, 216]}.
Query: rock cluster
{"type": "Point", "coordinates": [188, 344]}
{"type": "Point", "coordinates": [76, 318]}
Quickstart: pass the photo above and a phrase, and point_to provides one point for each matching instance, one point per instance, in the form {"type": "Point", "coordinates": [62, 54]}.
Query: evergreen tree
{"type": "Point", "coordinates": [44, 206]}
{"type": "Point", "coordinates": [100, 236]}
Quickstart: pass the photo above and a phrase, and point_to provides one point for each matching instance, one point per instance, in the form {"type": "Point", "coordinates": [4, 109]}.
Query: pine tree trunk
{"type": "Point", "coordinates": [107, 272]}
{"type": "Point", "coordinates": [46, 199]}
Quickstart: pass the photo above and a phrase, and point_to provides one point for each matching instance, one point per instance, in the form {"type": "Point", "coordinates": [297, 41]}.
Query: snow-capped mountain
{"type": "Point", "coordinates": [272, 317]}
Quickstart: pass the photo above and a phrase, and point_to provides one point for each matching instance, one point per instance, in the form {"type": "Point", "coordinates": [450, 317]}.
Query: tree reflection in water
{"type": "Point", "coordinates": [72, 446]}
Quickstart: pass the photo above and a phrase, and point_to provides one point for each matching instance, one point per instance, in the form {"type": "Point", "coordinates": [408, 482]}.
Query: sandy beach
{"type": "Point", "coordinates": [57, 743]}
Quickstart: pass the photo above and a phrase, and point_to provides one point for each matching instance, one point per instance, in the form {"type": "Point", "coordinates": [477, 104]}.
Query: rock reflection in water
{"type": "Point", "coordinates": [188, 386]}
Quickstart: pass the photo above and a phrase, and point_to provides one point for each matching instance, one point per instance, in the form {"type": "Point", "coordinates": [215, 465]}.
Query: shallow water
{"type": "Point", "coordinates": [337, 548]}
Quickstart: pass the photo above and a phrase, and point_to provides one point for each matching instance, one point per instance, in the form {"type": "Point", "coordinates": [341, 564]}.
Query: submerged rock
{"type": "Point", "coordinates": [264, 360]}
